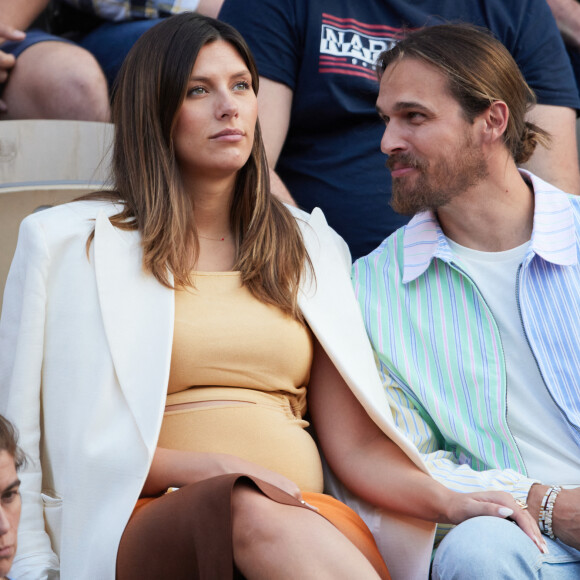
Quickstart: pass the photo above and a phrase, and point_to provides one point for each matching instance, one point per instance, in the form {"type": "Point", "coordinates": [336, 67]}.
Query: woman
{"type": "Point", "coordinates": [163, 338]}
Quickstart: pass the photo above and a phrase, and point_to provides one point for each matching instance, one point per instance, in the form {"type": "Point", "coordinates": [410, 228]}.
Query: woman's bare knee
{"type": "Point", "coordinates": [254, 517]}
{"type": "Point", "coordinates": [278, 541]}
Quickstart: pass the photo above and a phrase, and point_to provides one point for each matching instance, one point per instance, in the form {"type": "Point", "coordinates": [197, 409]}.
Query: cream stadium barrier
{"type": "Point", "coordinates": [44, 163]}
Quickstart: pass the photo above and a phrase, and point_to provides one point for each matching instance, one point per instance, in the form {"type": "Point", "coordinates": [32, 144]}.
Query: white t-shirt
{"type": "Point", "coordinates": [537, 424]}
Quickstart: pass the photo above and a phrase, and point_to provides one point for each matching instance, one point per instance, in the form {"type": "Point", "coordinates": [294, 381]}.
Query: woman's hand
{"type": "Point", "coordinates": [463, 506]}
{"type": "Point", "coordinates": [175, 468]}
{"type": "Point", "coordinates": [237, 465]}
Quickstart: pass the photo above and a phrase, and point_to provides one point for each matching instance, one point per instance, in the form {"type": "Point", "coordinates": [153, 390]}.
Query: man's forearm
{"type": "Point", "coordinates": [567, 15]}
{"type": "Point", "coordinates": [556, 163]}
{"type": "Point", "coordinates": [565, 512]}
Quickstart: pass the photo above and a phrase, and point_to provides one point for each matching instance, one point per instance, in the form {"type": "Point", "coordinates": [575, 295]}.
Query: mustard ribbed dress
{"type": "Point", "coordinates": [245, 366]}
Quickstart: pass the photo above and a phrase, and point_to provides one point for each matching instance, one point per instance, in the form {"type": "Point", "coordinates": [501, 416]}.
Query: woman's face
{"type": "Point", "coordinates": [214, 132]}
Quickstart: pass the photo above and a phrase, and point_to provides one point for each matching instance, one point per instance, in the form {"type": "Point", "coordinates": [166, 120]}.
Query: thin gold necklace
{"type": "Point", "coordinates": [213, 239]}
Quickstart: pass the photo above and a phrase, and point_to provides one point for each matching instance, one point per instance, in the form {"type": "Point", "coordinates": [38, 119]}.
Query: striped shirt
{"type": "Point", "coordinates": [120, 10]}
{"type": "Point", "coordinates": [439, 349]}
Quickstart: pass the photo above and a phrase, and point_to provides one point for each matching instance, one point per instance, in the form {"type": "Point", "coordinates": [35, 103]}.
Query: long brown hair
{"type": "Point", "coordinates": [150, 89]}
{"type": "Point", "coordinates": [479, 70]}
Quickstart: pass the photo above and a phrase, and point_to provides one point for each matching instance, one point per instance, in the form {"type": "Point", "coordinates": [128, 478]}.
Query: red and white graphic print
{"type": "Point", "coordinates": [350, 47]}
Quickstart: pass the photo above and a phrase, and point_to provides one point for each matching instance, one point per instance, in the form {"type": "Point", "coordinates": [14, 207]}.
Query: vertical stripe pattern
{"type": "Point", "coordinates": [439, 347]}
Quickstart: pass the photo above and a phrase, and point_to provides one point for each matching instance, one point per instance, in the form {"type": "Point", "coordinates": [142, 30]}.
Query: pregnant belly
{"type": "Point", "coordinates": [265, 432]}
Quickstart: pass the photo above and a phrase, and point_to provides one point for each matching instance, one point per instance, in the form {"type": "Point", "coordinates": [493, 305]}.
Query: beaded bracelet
{"type": "Point", "coordinates": [547, 510]}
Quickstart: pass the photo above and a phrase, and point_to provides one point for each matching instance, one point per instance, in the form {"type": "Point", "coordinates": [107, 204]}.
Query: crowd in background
{"type": "Point", "coordinates": [317, 61]}
{"type": "Point", "coordinates": [317, 89]}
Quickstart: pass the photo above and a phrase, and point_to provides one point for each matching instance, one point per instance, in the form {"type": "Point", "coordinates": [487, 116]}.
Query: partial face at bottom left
{"type": "Point", "coordinates": [10, 505]}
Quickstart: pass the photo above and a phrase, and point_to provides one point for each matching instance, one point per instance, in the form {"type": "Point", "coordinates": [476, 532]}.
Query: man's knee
{"type": "Point", "coordinates": [57, 80]}
{"type": "Point", "coordinates": [486, 547]}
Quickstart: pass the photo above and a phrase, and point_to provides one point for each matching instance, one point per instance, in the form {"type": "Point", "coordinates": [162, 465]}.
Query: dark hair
{"type": "Point", "coordinates": [480, 71]}
{"type": "Point", "coordinates": [9, 442]}
{"type": "Point", "coordinates": [148, 94]}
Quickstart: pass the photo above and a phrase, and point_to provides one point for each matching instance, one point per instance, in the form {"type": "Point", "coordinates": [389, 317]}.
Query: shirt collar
{"type": "Point", "coordinates": [553, 234]}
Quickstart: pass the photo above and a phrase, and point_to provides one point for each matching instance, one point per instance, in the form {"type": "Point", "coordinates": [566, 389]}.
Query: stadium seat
{"type": "Point", "coordinates": [44, 163]}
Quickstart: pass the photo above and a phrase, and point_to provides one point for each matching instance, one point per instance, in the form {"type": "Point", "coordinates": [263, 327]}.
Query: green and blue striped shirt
{"type": "Point", "coordinates": [439, 349]}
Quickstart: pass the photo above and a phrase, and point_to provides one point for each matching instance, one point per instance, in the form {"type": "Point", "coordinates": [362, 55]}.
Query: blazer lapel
{"type": "Point", "coordinates": [137, 313]}
{"type": "Point", "coordinates": [332, 311]}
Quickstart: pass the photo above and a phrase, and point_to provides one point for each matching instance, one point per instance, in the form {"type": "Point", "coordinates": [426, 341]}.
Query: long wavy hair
{"type": "Point", "coordinates": [148, 94]}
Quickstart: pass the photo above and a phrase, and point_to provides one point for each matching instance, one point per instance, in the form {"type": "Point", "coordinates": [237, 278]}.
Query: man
{"type": "Point", "coordinates": [318, 89]}
{"type": "Point", "coordinates": [11, 459]}
{"type": "Point", "coordinates": [473, 308]}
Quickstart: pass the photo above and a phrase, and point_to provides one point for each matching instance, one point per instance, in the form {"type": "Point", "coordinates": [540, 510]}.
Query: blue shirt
{"type": "Point", "coordinates": [325, 51]}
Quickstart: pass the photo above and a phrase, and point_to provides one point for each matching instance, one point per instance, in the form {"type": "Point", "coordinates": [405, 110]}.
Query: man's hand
{"type": "Point", "coordinates": [566, 514]}
{"type": "Point", "coordinates": [7, 61]}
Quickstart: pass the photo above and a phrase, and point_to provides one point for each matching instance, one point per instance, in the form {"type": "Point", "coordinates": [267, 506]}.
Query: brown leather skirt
{"type": "Point", "coordinates": [187, 534]}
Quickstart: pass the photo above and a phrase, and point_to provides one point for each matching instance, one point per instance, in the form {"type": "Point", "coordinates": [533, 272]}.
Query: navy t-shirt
{"type": "Point", "coordinates": [325, 51]}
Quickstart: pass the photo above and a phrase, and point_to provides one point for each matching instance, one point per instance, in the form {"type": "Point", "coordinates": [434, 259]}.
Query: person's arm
{"type": "Point", "coordinates": [176, 468]}
{"type": "Point", "coordinates": [558, 162]}
{"type": "Point", "coordinates": [275, 104]}
{"type": "Point", "coordinates": [377, 470]}
{"type": "Point", "coordinates": [567, 15]}
{"type": "Point", "coordinates": [210, 7]}
{"type": "Point", "coordinates": [566, 513]}
{"type": "Point", "coordinates": [21, 15]}
{"type": "Point", "coordinates": [539, 51]}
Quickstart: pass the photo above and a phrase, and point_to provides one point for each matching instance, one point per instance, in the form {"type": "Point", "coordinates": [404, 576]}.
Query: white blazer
{"type": "Point", "coordinates": [85, 350]}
